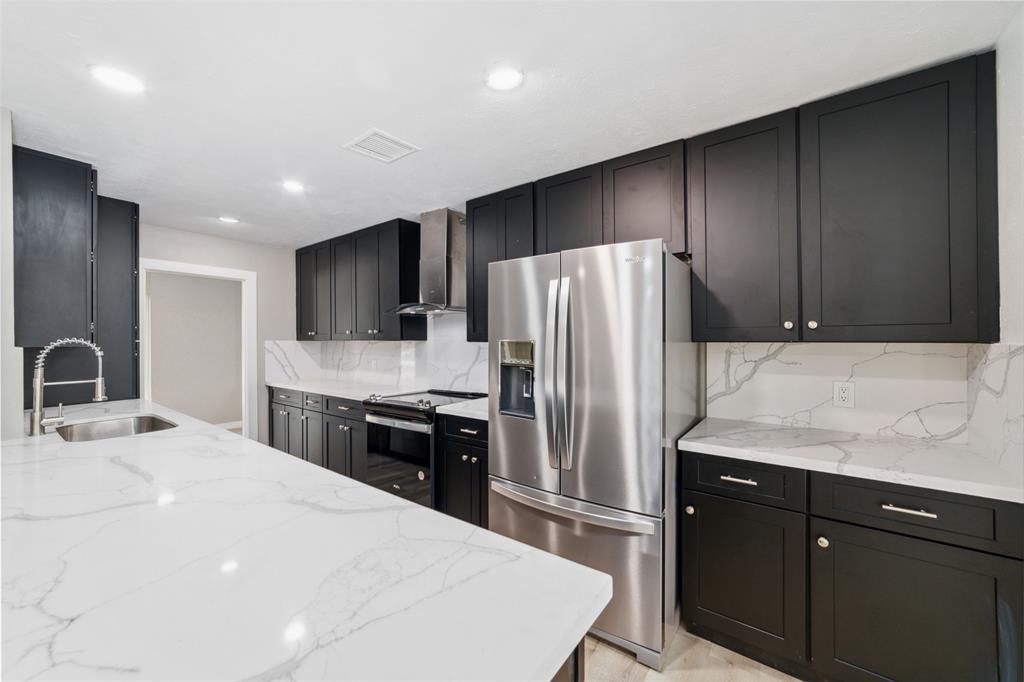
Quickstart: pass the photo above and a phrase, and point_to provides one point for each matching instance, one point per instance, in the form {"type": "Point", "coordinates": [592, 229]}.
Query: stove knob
{"type": "Point", "coordinates": [426, 403]}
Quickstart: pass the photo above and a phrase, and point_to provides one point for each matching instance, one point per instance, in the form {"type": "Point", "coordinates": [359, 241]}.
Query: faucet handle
{"type": "Point", "coordinates": [60, 410]}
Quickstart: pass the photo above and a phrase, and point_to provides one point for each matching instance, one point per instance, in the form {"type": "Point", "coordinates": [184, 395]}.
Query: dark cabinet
{"type": "Point", "coordinates": [313, 292]}
{"type": "Point", "coordinates": [465, 481]}
{"type": "Point", "coordinates": [338, 444]}
{"type": "Point", "coordinates": [569, 210]}
{"type": "Point", "coordinates": [888, 607]}
{"type": "Point", "coordinates": [742, 189]}
{"type": "Point", "coordinates": [744, 572]}
{"type": "Point", "coordinates": [367, 294]}
{"type": "Point", "coordinates": [287, 429]}
{"type": "Point", "coordinates": [643, 197]}
{"type": "Point", "coordinates": [116, 274]}
{"type": "Point", "coordinates": [343, 288]}
{"type": "Point", "coordinates": [498, 227]}
{"type": "Point", "coordinates": [313, 437]}
{"type": "Point", "coordinates": [897, 242]}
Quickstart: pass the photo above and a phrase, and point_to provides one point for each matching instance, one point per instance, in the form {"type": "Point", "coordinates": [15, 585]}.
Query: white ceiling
{"type": "Point", "coordinates": [243, 94]}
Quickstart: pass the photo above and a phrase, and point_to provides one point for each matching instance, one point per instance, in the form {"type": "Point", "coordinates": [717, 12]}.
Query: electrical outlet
{"type": "Point", "coordinates": [843, 393]}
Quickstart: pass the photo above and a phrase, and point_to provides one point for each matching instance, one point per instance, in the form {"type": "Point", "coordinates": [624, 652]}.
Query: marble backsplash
{"type": "Point", "coordinates": [446, 360]}
{"type": "Point", "coordinates": [959, 393]}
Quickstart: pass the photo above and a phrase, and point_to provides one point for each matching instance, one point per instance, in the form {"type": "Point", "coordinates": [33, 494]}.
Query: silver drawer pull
{"type": "Point", "coordinates": [312, 402]}
{"type": "Point", "coordinates": [732, 479]}
{"type": "Point", "coordinates": [284, 395]}
{"type": "Point", "coordinates": [343, 408]}
{"type": "Point", "coordinates": [465, 457]}
{"type": "Point", "coordinates": [396, 486]}
{"type": "Point", "coordinates": [913, 512]}
{"type": "Point", "coordinates": [471, 432]}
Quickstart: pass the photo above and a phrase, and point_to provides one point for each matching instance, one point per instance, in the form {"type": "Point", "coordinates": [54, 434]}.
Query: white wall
{"type": "Point", "coordinates": [195, 346]}
{"type": "Point", "coordinates": [275, 272]}
{"type": "Point", "coordinates": [11, 422]}
{"type": "Point", "coordinates": [1010, 129]}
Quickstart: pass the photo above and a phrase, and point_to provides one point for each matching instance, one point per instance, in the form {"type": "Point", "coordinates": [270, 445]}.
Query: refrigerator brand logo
{"type": "Point", "coordinates": [636, 259]}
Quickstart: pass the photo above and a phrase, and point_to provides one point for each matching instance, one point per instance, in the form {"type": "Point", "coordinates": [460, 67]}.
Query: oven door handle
{"type": "Point", "coordinates": [418, 427]}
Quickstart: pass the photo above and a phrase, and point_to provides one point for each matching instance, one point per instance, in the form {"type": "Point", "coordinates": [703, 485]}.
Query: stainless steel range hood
{"type": "Point", "coordinates": [442, 264]}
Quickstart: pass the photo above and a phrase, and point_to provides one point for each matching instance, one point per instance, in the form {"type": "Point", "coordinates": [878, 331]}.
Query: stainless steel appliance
{"type": "Point", "coordinates": [442, 265]}
{"type": "Point", "coordinates": [594, 378]}
{"type": "Point", "coordinates": [399, 429]}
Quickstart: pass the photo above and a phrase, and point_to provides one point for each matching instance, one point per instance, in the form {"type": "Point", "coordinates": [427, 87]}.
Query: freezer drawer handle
{"type": "Point", "coordinates": [733, 479]}
{"type": "Point", "coordinates": [641, 527]}
{"type": "Point", "coordinates": [913, 512]}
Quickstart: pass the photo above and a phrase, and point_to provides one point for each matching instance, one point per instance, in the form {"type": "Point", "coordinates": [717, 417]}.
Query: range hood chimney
{"type": "Point", "coordinates": [442, 264]}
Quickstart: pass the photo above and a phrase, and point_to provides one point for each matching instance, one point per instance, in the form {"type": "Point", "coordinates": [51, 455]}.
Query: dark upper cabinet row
{"type": "Point", "coordinates": [347, 287]}
{"type": "Point", "coordinates": [634, 197]}
{"type": "Point", "coordinates": [868, 216]}
{"type": "Point", "coordinates": [76, 257]}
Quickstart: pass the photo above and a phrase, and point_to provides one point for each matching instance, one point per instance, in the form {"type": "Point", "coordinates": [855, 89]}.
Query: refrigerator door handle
{"type": "Point", "coordinates": [549, 371]}
{"type": "Point", "coordinates": [564, 367]}
{"type": "Point", "coordinates": [525, 498]}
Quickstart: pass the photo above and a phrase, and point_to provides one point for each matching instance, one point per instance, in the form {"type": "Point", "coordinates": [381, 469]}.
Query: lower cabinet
{"type": "Point", "coordinates": [327, 440]}
{"type": "Point", "coordinates": [744, 572]}
{"type": "Point", "coordinates": [287, 428]}
{"type": "Point", "coordinates": [313, 437]}
{"type": "Point", "coordinates": [889, 607]}
{"type": "Point", "coordinates": [344, 445]}
{"type": "Point", "coordinates": [464, 481]}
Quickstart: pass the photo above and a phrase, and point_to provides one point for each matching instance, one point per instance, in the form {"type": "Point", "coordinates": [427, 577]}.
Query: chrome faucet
{"type": "Point", "coordinates": [39, 419]}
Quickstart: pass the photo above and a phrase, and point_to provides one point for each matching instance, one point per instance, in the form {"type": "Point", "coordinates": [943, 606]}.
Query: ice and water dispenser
{"type": "Point", "coordinates": [515, 387]}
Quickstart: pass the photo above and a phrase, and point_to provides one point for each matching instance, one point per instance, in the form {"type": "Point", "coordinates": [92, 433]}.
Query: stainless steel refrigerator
{"type": "Point", "coordinates": [593, 377]}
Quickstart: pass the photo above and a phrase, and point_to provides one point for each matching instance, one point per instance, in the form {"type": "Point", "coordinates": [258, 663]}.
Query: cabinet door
{"type": "Point", "coordinates": [305, 293]}
{"type": "Point", "coordinates": [569, 210]}
{"type": "Point", "coordinates": [889, 607]}
{"type": "Point", "coordinates": [478, 483]}
{"type": "Point", "coordinates": [54, 212]}
{"type": "Point", "coordinates": [742, 189]}
{"type": "Point", "coordinates": [357, 450]}
{"type": "Point", "coordinates": [295, 431]}
{"type": "Point", "coordinates": [889, 211]}
{"type": "Point", "coordinates": [117, 295]}
{"type": "Point", "coordinates": [322, 264]}
{"type": "Point", "coordinates": [458, 481]}
{"type": "Point", "coordinates": [337, 444]}
{"type": "Point", "coordinates": [643, 197]}
{"type": "Point", "coordinates": [313, 436]}
{"type": "Point", "coordinates": [389, 324]}
{"type": "Point", "coordinates": [744, 572]}
{"type": "Point", "coordinates": [343, 289]}
{"type": "Point", "coordinates": [515, 214]}
{"type": "Point", "coordinates": [367, 296]}
{"type": "Point", "coordinates": [279, 426]}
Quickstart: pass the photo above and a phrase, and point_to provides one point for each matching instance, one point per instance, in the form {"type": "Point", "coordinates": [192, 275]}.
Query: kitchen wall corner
{"type": "Point", "coordinates": [11, 416]}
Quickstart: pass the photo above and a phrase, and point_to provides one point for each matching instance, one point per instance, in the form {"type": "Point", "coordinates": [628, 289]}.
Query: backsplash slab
{"type": "Point", "coordinates": [446, 360]}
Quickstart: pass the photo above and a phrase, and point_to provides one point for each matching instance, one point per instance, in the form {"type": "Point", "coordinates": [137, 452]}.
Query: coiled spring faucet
{"type": "Point", "coordinates": [39, 419]}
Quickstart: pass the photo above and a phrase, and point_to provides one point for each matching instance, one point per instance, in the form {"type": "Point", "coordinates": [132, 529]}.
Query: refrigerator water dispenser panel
{"type": "Point", "coordinates": [515, 383]}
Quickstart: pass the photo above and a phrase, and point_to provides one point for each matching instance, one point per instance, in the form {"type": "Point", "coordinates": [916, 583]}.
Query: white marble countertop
{"type": "Point", "coordinates": [194, 553]}
{"type": "Point", "coordinates": [345, 389]}
{"type": "Point", "coordinates": [909, 461]}
{"type": "Point", "coordinates": [471, 409]}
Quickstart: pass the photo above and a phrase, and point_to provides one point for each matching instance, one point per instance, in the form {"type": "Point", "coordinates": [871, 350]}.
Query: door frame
{"type": "Point", "coordinates": [247, 278]}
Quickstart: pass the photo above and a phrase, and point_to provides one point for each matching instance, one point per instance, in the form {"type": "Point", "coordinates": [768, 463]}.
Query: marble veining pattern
{"type": "Point", "coordinates": [471, 409]}
{"type": "Point", "coordinates": [194, 553]}
{"type": "Point", "coordinates": [919, 462]}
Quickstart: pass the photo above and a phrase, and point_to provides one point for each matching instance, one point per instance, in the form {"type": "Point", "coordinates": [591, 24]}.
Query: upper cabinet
{"type": "Point", "coordinates": [569, 209]}
{"type": "Point", "coordinates": [743, 229]}
{"type": "Point", "coordinates": [895, 234]}
{"type": "Point", "coordinates": [347, 288]}
{"type": "Point", "coordinates": [643, 197]}
{"type": "Point", "coordinates": [313, 292]}
{"type": "Point", "coordinates": [498, 227]}
{"type": "Point", "coordinates": [887, 221]}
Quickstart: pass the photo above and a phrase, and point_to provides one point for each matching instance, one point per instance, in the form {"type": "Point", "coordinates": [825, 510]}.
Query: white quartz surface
{"type": "Point", "coordinates": [471, 409]}
{"type": "Point", "coordinates": [910, 461]}
{"type": "Point", "coordinates": [346, 389]}
{"type": "Point", "coordinates": [194, 553]}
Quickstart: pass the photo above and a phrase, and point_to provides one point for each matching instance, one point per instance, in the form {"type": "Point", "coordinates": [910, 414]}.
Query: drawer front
{"type": "Point", "coordinates": [750, 481]}
{"type": "Point", "coordinates": [287, 396]}
{"type": "Point", "coordinates": [343, 407]}
{"type": "Point", "coordinates": [460, 427]}
{"type": "Point", "coordinates": [313, 401]}
{"type": "Point", "coordinates": [973, 522]}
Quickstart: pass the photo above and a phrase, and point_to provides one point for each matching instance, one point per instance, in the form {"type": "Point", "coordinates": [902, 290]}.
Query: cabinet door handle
{"type": "Point", "coordinates": [311, 333]}
{"type": "Point", "coordinates": [823, 542]}
{"type": "Point", "coordinates": [312, 402]}
{"type": "Point", "coordinates": [743, 481]}
{"type": "Point", "coordinates": [472, 460]}
{"type": "Point", "coordinates": [471, 432]}
{"type": "Point", "coordinates": [282, 413]}
{"type": "Point", "coordinates": [913, 512]}
{"type": "Point", "coordinates": [787, 324]}
{"type": "Point", "coordinates": [465, 457]}
{"type": "Point", "coordinates": [303, 417]}
{"type": "Point", "coordinates": [689, 510]}
{"type": "Point", "coordinates": [812, 324]}
{"type": "Point", "coordinates": [348, 331]}
{"type": "Point", "coordinates": [396, 486]}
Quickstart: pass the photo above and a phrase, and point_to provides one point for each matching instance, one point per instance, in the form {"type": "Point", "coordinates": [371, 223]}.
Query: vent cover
{"type": "Point", "coordinates": [381, 146]}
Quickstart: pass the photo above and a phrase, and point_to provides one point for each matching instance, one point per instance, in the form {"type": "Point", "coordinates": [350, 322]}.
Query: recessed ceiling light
{"type": "Point", "coordinates": [505, 78]}
{"type": "Point", "coordinates": [117, 79]}
{"type": "Point", "coordinates": [228, 219]}
{"type": "Point", "coordinates": [293, 186]}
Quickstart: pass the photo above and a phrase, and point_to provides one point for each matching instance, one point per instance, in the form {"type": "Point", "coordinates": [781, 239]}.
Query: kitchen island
{"type": "Point", "coordinates": [194, 553]}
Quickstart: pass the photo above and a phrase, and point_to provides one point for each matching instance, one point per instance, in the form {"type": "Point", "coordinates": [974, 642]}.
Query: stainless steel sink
{"type": "Point", "coordinates": [113, 428]}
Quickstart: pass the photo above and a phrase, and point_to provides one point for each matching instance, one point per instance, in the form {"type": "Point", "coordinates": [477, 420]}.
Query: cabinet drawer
{"type": "Point", "coordinates": [343, 407]}
{"type": "Point", "coordinates": [975, 522]}
{"type": "Point", "coordinates": [287, 396]}
{"type": "Point", "coordinates": [751, 481]}
{"type": "Point", "coordinates": [313, 401]}
{"type": "Point", "coordinates": [461, 427]}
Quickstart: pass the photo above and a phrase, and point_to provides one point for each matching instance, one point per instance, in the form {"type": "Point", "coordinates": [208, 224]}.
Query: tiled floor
{"type": "Point", "coordinates": [690, 659]}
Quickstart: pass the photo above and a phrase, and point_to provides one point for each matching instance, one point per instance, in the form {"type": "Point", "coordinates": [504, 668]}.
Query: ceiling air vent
{"type": "Point", "coordinates": [381, 146]}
